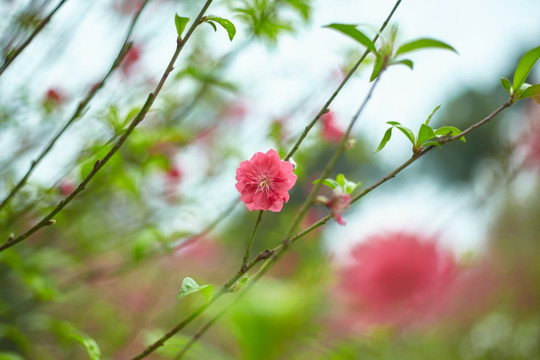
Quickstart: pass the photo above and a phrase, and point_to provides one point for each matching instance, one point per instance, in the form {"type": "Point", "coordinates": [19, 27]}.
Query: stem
{"type": "Point", "coordinates": [136, 121]}
{"type": "Point", "coordinates": [251, 238]}
{"type": "Point", "coordinates": [79, 110]}
{"type": "Point", "coordinates": [9, 59]}
{"type": "Point", "coordinates": [324, 109]}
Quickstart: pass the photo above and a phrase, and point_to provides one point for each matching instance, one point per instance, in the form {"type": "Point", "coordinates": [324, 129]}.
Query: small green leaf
{"type": "Point", "coordinates": [423, 44]}
{"type": "Point", "coordinates": [240, 284]}
{"type": "Point", "coordinates": [424, 134]}
{"type": "Point", "coordinates": [212, 24]}
{"type": "Point", "coordinates": [452, 130]}
{"type": "Point", "coordinates": [377, 67]}
{"type": "Point", "coordinates": [190, 286]}
{"type": "Point", "coordinates": [434, 143]}
{"type": "Point", "coordinates": [331, 183]}
{"type": "Point", "coordinates": [89, 344]}
{"type": "Point", "coordinates": [353, 32]}
{"type": "Point", "coordinates": [506, 85]}
{"type": "Point", "coordinates": [407, 132]}
{"type": "Point", "coordinates": [431, 115]}
{"type": "Point", "coordinates": [346, 185]}
{"type": "Point", "coordinates": [533, 90]}
{"type": "Point", "coordinates": [385, 139]}
{"type": "Point", "coordinates": [180, 23]}
{"type": "Point", "coordinates": [405, 62]}
{"type": "Point", "coordinates": [524, 67]}
{"type": "Point", "coordinates": [225, 23]}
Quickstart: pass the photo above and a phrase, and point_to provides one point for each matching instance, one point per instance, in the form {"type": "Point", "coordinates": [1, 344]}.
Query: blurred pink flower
{"type": "Point", "coordinates": [397, 275]}
{"type": "Point", "coordinates": [330, 130]}
{"type": "Point", "coordinates": [66, 186]}
{"type": "Point", "coordinates": [264, 181]}
{"type": "Point", "coordinates": [132, 57]}
{"type": "Point", "coordinates": [337, 204]}
{"type": "Point", "coordinates": [55, 96]}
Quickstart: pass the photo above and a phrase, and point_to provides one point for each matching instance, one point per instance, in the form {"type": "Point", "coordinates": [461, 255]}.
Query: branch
{"type": "Point", "coordinates": [80, 108]}
{"type": "Point", "coordinates": [12, 55]}
{"type": "Point", "coordinates": [136, 121]}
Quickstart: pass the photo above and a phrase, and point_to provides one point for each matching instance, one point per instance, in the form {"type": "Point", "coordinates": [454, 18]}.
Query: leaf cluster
{"type": "Point", "coordinates": [341, 183]}
{"type": "Point", "coordinates": [385, 55]}
{"type": "Point", "coordinates": [519, 89]}
{"type": "Point", "coordinates": [426, 136]}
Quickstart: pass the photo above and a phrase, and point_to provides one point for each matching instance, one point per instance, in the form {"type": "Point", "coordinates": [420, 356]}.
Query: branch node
{"type": "Point", "coordinates": [51, 222]}
{"type": "Point", "coordinates": [11, 237]}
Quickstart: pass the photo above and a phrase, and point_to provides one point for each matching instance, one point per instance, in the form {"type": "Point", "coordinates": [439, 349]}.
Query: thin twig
{"type": "Point", "coordinates": [12, 55]}
{"type": "Point", "coordinates": [251, 238]}
{"type": "Point", "coordinates": [136, 121]}
{"type": "Point", "coordinates": [80, 108]}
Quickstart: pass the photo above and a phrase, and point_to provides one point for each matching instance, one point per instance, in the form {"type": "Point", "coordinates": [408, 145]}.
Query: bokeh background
{"type": "Point", "coordinates": [165, 206]}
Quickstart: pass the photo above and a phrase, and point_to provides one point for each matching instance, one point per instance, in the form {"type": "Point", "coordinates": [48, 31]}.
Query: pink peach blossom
{"type": "Point", "coordinates": [330, 130]}
{"type": "Point", "coordinates": [337, 205]}
{"type": "Point", "coordinates": [397, 274]}
{"type": "Point", "coordinates": [131, 59]}
{"type": "Point", "coordinates": [55, 96]}
{"type": "Point", "coordinates": [264, 181]}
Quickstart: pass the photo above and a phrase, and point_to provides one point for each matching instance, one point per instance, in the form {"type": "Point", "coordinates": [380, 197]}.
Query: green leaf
{"type": "Point", "coordinates": [506, 85]}
{"type": "Point", "coordinates": [89, 344]}
{"type": "Point", "coordinates": [225, 23]}
{"type": "Point", "coordinates": [353, 32]}
{"type": "Point", "coordinates": [431, 115]}
{"type": "Point", "coordinates": [180, 23]}
{"type": "Point", "coordinates": [331, 183]}
{"type": "Point", "coordinates": [347, 186]}
{"type": "Point", "coordinates": [385, 139]}
{"type": "Point", "coordinates": [407, 132]}
{"type": "Point", "coordinates": [377, 67]}
{"type": "Point", "coordinates": [524, 67]}
{"type": "Point", "coordinates": [452, 130]}
{"type": "Point", "coordinates": [424, 134]}
{"type": "Point", "coordinates": [423, 44]}
{"type": "Point", "coordinates": [533, 90]}
{"type": "Point", "coordinates": [405, 62]}
{"type": "Point", "coordinates": [434, 143]}
{"type": "Point", "coordinates": [190, 286]}
{"type": "Point", "coordinates": [212, 24]}
{"type": "Point", "coordinates": [240, 284]}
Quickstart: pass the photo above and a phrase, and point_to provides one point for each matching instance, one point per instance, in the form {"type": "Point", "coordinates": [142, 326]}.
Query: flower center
{"type": "Point", "coordinates": [264, 183]}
